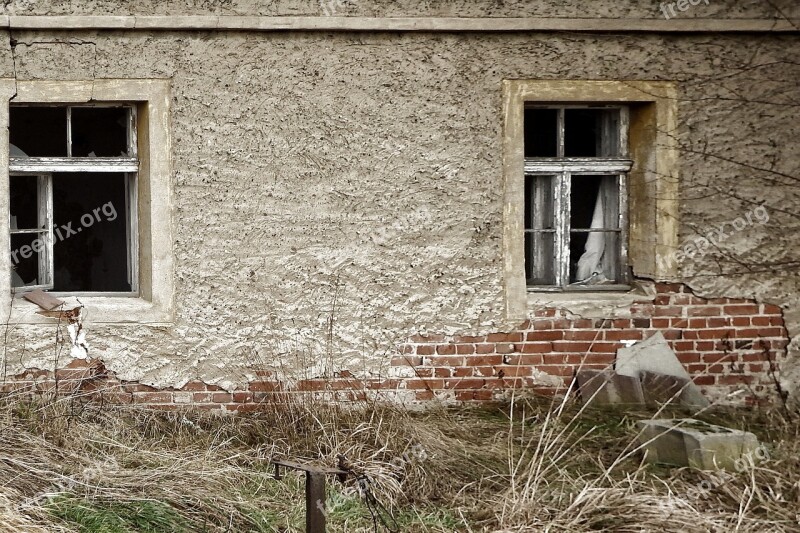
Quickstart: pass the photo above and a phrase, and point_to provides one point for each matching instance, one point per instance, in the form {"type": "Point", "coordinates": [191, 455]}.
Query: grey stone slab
{"type": "Point", "coordinates": [691, 442]}
{"type": "Point", "coordinates": [606, 387]}
{"type": "Point", "coordinates": [659, 389]}
{"type": "Point", "coordinates": [653, 355]}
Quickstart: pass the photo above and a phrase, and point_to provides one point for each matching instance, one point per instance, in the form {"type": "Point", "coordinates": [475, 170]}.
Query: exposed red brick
{"type": "Point", "coordinates": [582, 335]}
{"type": "Point", "coordinates": [514, 371]}
{"type": "Point", "coordinates": [688, 357]}
{"type": "Point", "coordinates": [446, 349]}
{"type": "Point", "coordinates": [619, 335]}
{"type": "Point", "coordinates": [442, 372]}
{"type": "Point", "coordinates": [668, 310]}
{"type": "Point", "coordinates": [536, 347]}
{"type": "Point", "coordinates": [524, 359]}
{"type": "Point", "coordinates": [484, 360]}
{"type": "Point", "coordinates": [425, 350]}
{"type": "Point", "coordinates": [660, 322]}
{"type": "Point", "coordinates": [483, 371]}
{"type": "Point", "coordinates": [468, 383]}
{"type": "Point", "coordinates": [741, 309]}
{"type": "Point", "coordinates": [697, 323]}
{"type": "Point", "coordinates": [704, 310]}
{"type": "Point", "coordinates": [605, 347]}
{"type": "Point", "coordinates": [465, 348]}
{"type": "Point", "coordinates": [504, 348]}
{"type": "Point", "coordinates": [669, 287]}
{"type": "Point", "coordinates": [446, 360]}
{"type": "Point", "coordinates": [566, 346]}
{"type": "Point", "coordinates": [194, 386]}
{"type": "Point", "coordinates": [504, 337]}
{"type": "Point", "coordinates": [242, 397]}
{"type": "Point", "coordinates": [770, 309]}
{"type": "Point", "coordinates": [484, 348]}
{"type": "Point", "coordinates": [544, 336]}
{"type": "Point", "coordinates": [704, 380]}
{"type": "Point", "coordinates": [542, 324]}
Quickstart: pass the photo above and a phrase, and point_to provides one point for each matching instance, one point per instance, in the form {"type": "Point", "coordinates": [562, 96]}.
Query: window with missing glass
{"type": "Point", "coordinates": [576, 167]}
{"type": "Point", "coordinates": [72, 196]}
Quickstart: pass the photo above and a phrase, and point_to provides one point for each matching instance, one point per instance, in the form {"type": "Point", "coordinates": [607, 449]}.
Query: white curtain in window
{"type": "Point", "coordinates": [590, 262]}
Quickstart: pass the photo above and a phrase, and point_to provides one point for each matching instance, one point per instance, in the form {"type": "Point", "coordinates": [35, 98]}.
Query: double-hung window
{"type": "Point", "coordinates": [575, 213]}
{"type": "Point", "coordinates": [72, 197]}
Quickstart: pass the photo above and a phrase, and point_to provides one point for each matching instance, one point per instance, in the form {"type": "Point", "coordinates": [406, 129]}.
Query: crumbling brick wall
{"type": "Point", "coordinates": [726, 345]}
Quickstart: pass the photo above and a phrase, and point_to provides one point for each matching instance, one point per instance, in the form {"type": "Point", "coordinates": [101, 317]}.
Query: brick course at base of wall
{"type": "Point", "coordinates": [725, 344]}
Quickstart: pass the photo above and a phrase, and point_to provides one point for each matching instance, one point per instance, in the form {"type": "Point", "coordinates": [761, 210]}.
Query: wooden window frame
{"type": "Point", "coordinates": [153, 219]}
{"type": "Point", "coordinates": [562, 169]}
{"type": "Point", "coordinates": [653, 189]}
{"type": "Point", "coordinates": [45, 167]}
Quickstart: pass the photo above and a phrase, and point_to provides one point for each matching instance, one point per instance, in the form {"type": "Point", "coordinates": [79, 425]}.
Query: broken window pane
{"type": "Point", "coordinates": [38, 131]}
{"type": "Point", "coordinates": [91, 245]}
{"type": "Point", "coordinates": [24, 200]}
{"type": "Point", "coordinates": [100, 131]}
{"type": "Point", "coordinates": [591, 133]}
{"type": "Point", "coordinates": [27, 259]}
{"type": "Point", "coordinates": [541, 132]}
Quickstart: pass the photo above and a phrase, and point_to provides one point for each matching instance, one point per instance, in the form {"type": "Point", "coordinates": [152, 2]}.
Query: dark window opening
{"type": "Point", "coordinates": [90, 233]}
{"type": "Point", "coordinates": [38, 131]}
{"type": "Point", "coordinates": [99, 131]}
{"type": "Point", "coordinates": [541, 132]}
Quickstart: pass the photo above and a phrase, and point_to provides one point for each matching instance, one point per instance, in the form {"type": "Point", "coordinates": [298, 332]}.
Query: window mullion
{"type": "Point", "coordinates": [69, 131]}
{"type": "Point", "coordinates": [562, 229]}
{"type": "Point", "coordinates": [45, 222]}
{"type": "Point", "coordinates": [623, 226]}
{"type": "Point", "coordinates": [560, 148]}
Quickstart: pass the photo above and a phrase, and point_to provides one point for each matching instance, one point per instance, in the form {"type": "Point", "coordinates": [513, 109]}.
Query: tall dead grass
{"type": "Point", "coordinates": [537, 465]}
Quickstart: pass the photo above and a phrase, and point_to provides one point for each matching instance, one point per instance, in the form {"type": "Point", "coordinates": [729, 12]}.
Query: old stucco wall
{"type": "Point", "coordinates": [335, 193]}
{"type": "Point", "coordinates": [404, 8]}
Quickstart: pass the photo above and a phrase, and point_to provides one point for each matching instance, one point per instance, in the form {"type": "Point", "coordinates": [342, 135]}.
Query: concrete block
{"type": "Point", "coordinates": [660, 389]}
{"type": "Point", "coordinates": [606, 387]}
{"type": "Point", "coordinates": [690, 442]}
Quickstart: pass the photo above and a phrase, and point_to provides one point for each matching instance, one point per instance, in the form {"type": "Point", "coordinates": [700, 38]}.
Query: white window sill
{"type": "Point", "coordinates": [97, 310]}
{"type": "Point", "coordinates": [594, 304]}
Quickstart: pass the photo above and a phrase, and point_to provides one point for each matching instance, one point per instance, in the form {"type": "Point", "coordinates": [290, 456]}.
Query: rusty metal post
{"type": "Point", "coordinates": [315, 502]}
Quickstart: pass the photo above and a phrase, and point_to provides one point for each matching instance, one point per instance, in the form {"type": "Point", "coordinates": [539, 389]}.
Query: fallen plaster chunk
{"type": "Point", "coordinates": [690, 442]}
{"type": "Point", "coordinates": [653, 355]}
{"type": "Point", "coordinates": [660, 389]}
{"type": "Point", "coordinates": [606, 387]}
{"type": "Point", "coordinates": [663, 377]}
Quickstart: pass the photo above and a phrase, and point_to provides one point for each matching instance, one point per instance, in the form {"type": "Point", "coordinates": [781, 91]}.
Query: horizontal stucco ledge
{"type": "Point", "coordinates": [426, 24]}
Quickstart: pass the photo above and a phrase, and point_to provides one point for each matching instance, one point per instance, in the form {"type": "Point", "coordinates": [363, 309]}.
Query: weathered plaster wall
{"type": "Point", "coordinates": [404, 8]}
{"type": "Point", "coordinates": [336, 193]}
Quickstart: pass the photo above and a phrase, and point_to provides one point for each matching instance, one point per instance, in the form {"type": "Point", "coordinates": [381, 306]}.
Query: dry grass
{"type": "Point", "coordinates": [532, 466]}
